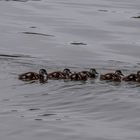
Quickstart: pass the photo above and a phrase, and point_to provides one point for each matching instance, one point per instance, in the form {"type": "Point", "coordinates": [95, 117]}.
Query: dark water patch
{"type": "Point", "coordinates": [6, 100]}
{"type": "Point", "coordinates": [102, 10]}
{"type": "Point", "coordinates": [26, 96]}
{"type": "Point", "coordinates": [16, 0]}
{"type": "Point", "coordinates": [8, 112]}
{"type": "Point", "coordinates": [29, 63]}
{"type": "Point", "coordinates": [34, 33]}
{"type": "Point", "coordinates": [58, 119]}
{"type": "Point", "coordinates": [38, 119]}
{"type": "Point", "coordinates": [34, 109]}
{"type": "Point", "coordinates": [44, 94]}
{"type": "Point", "coordinates": [14, 110]}
{"type": "Point", "coordinates": [15, 56]}
{"type": "Point", "coordinates": [138, 63]}
{"type": "Point", "coordinates": [78, 43]}
{"type": "Point", "coordinates": [138, 85]}
{"type": "Point", "coordinates": [20, 0]}
{"type": "Point", "coordinates": [46, 115]}
{"type": "Point", "coordinates": [136, 17]}
{"type": "Point", "coordinates": [33, 27]}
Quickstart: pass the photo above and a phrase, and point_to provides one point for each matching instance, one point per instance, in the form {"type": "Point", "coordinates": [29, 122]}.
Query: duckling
{"type": "Point", "coordinates": [92, 73]}
{"type": "Point", "coordinates": [78, 77]}
{"type": "Point", "coordinates": [60, 75]}
{"type": "Point", "coordinates": [130, 77]}
{"type": "Point", "coordinates": [138, 77]}
{"type": "Point", "coordinates": [112, 76]}
{"type": "Point", "coordinates": [42, 76]}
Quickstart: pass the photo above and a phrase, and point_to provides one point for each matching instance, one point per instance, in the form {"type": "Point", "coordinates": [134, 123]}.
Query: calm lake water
{"type": "Point", "coordinates": [38, 34]}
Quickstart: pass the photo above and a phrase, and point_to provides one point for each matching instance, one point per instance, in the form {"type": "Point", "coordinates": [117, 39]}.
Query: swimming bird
{"type": "Point", "coordinates": [132, 77]}
{"type": "Point", "coordinates": [78, 76]}
{"type": "Point", "coordinates": [92, 73]}
{"type": "Point", "coordinates": [138, 77]}
{"type": "Point", "coordinates": [112, 76]}
{"type": "Point", "coordinates": [60, 74]}
{"type": "Point", "coordinates": [42, 76]}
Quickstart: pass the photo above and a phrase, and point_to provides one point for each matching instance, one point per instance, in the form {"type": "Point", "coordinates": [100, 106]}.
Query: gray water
{"type": "Point", "coordinates": [39, 34]}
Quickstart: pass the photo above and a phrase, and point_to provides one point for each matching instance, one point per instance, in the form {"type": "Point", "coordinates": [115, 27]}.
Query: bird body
{"type": "Point", "coordinates": [132, 77]}
{"type": "Point", "coordinates": [112, 76]}
{"type": "Point", "coordinates": [30, 76]}
{"type": "Point", "coordinates": [78, 77]}
{"type": "Point", "coordinates": [59, 74]}
{"type": "Point", "coordinates": [92, 73]}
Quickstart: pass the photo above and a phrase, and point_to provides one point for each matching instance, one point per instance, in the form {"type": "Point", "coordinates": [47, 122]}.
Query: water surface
{"type": "Point", "coordinates": [78, 34]}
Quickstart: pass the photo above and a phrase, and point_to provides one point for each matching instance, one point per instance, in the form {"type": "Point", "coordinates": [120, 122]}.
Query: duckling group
{"type": "Point", "coordinates": [43, 76]}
